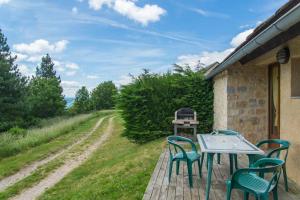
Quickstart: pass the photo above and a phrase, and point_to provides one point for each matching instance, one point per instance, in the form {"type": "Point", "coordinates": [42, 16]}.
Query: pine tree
{"type": "Point", "coordinates": [12, 89]}
{"type": "Point", "coordinates": [45, 92]}
{"type": "Point", "coordinates": [46, 68]}
{"type": "Point", "coordinates": [82, 100]}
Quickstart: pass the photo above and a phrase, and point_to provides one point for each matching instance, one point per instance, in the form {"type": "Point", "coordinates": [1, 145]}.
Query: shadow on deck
{"type": "Point", "coordinates": [160, 188]}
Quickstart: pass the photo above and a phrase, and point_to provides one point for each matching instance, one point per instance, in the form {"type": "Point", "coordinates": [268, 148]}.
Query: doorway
{"type": "Point", "coordinates": [274, 101]}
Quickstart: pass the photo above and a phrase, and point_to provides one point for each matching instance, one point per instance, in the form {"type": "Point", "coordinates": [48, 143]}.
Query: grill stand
{"type": "Point", "coordinates": [194, 127]}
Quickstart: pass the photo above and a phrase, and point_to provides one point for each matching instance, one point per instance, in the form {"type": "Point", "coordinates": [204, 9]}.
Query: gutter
{"type": "Point", "coordinates": [282, 24]}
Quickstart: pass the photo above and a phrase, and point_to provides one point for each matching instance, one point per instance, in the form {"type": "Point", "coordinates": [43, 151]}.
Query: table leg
{"type": "Point", "coordinates": [210, 158]}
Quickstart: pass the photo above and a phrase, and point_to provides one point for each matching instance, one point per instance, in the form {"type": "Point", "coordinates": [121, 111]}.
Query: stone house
{"type": "Point", "coordinates": [257, 87]}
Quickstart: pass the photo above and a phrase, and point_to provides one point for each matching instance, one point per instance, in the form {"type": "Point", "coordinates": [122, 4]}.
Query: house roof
{"type": "Point", "coordinates": [280, 13]}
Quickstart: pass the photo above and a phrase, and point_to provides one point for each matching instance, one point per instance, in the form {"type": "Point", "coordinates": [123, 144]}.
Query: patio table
{"type": "Point", "coordinates": [229, 144]}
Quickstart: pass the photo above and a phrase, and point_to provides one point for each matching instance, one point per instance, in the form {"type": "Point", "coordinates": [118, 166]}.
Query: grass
{"type": "Point", "coordinates": [13, 144]}
{"type": "Point", "coordinates": [14, 163]}
{"type": "Point", "coordinates": [45, 170]}
{"type": "Point", "coordinates": [118, 170]}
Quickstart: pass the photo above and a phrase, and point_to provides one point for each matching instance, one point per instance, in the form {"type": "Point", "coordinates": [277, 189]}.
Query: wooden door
{"type": "Point", "coordinates": [274, 101]}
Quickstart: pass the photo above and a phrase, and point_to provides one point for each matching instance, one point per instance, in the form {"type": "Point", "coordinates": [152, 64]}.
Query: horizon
{"type": "Point", "coordinates": [92, 41]}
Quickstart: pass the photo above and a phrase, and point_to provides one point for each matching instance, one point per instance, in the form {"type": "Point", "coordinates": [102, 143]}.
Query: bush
{"type": "Point", "coordinates": [148, 104]}
{"type": "Point", "coordinates": [17, 131]}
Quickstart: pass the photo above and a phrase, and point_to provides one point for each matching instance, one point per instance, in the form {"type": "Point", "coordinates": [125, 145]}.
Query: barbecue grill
{"type": "Point", "coordinates": [185, 118]}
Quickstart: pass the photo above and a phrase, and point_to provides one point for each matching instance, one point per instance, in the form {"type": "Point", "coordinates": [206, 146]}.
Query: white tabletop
{"type": "Point", "coordinates": [226, 144]}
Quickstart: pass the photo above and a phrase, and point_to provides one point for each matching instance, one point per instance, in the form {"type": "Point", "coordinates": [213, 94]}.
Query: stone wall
{"type": "Point", "coordinates": [247, 97]}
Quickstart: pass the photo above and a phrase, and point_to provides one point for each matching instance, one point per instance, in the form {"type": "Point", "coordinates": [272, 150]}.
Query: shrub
{"type": "Point", "coordinates": [148, 104]}
{"type": "Point", "coordinates": [17, 131]}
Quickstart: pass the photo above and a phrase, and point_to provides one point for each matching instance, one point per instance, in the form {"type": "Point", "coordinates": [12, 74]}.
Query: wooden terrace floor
{"type": "Point", "coordinates": [160, 188]}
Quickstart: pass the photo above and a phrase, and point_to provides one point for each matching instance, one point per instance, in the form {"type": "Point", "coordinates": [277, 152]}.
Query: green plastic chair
{"type": "Point", "coordinates": [232, 157]}
{"type": "Point", "coordinates": [178, 154]}
{"type": "Point", "coordinates": [279, 152]}
{"type": "Point", "coordinates": [251, 180]}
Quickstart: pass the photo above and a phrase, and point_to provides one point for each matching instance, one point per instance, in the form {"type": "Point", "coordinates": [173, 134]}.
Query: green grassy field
{"type": "Point", "coordinates": [45, 170]}
{"type": "Point", "coordinates": [117, 170]}
{"type": "Point", "coordinates": [11, 164]}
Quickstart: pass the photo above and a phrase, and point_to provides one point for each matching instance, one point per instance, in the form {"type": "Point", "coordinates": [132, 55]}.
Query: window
{"type": "Point", "coordinates": [295, 77]}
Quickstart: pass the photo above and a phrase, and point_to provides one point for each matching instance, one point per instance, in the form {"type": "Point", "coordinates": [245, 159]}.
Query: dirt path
{"type": "Point", "coordinates": [67, 167]}
{"type": "Point", "coordinates": [26, 171]}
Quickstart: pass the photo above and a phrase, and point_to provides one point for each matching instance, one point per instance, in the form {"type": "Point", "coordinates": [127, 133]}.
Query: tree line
{"type": "Point", "coordinates": [26, 100]}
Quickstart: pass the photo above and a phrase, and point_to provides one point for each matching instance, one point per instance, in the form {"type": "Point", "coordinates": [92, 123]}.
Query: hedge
{"type": "Point", "coordinates": [148, 104]}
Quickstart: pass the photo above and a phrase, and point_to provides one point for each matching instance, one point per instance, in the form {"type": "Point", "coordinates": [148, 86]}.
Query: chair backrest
{"type": "Point", "coordinates": [271, 166]}
{"type": "Point", "coordinates": [262, 167]}
{"type": "Point", "coordinates": [174, 147]}
{"type": "Point", "coordinates": [278, 151]}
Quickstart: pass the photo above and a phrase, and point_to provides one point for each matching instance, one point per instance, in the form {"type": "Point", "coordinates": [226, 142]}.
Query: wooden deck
{"type": "Point", "coordinates": [160, 188]}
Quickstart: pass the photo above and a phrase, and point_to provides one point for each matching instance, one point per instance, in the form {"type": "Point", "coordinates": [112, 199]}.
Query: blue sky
{"type": "Point", "coordinates": [97, 40]}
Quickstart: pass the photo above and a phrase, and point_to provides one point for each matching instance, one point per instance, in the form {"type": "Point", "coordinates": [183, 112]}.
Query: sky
{"type": "Point", "coordinates": [91, 41]}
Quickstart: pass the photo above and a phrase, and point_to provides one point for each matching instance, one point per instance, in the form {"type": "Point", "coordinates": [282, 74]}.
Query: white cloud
{"type": "Point", "coordinates": [209, 57]}
{"type": "Point", "coordinates": [72, 66]}
{"type": "Point", "coordinates": [20, 56]}
{"type": "Point", "coordinates": [25, 70]}
{"type": "Point", "coordinates": [144, 15]}
{"type": "Point", "coordinates": [92, 77]}
{"type": "Point", "coordinates": [205, 57]}
{"type": "Point", "coordinates": [34, 59]}
{"type": "Point", "coordinates": [97, 4]}
{"type": "Point", "coordinates": [241, 37]}
{"type": "Point", "coordinates": [70, 73]}
{"type": "Point", "coordinates": [124, 80]}
{"type": "Point", "coordinates": [41, 46]}
{"type": "Point", "coordinates": [70, 88]}
{"type": "Point", "coordinates": [206, 13]}
{"type": "Point", "coordinates": [75, 10]}
{"type": "Point", "coordinates": [4, 2]}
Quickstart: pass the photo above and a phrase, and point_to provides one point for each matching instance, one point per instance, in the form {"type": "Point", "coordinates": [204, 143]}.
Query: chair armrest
{"type": "Point", "coordinates": [263, 142]}
{"type": "Point", "coordinates": [187, 140]}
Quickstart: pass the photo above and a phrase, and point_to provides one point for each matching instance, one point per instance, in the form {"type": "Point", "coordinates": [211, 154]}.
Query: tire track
{"type": "Point", "coordinates": [67, 167]}
{"type": "Point", "coordinates": [26, 171]}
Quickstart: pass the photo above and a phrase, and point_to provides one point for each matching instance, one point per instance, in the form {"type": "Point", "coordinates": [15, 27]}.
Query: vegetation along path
{"type": "Point", "coordinates": [26, 171]}
{"type": "Point", "coordinates": [68, 166]}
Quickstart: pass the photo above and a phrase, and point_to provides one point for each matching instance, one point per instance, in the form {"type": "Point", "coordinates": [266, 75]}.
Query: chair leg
{"type": "Point", "coordinates": [228, 188]}
{"type": "Point", "coordinates": [275, 193]}
{"type": "Point", "coordinates": [170, 169]}
{"type": "Point", "coordinates": [219, 158]}
{"type": "Point", "coordinates": [201, 164]}
{"type": "Point", "coordinates": [190, 173]}
{"type": "Point", "coordinates": [264, 197]}
{"type": "Point", "coordinates": [246, 195]}
{"type": "Point", "coordinates": [285, 177]}
{"type": "Point", "coordinates": [236, 161]}
{"type": "Point", "coordinates": [200, 168]}
{"type": "Point", "coordinates": [231, 163]}
{"type": "Point", "coordinates": [177, 166]}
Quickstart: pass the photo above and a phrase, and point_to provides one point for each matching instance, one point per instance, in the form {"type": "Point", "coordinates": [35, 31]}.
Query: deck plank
{"type": "Point", "coordinates": [153, 178]}
{"type": "Point", "coordinates": [159, 187]}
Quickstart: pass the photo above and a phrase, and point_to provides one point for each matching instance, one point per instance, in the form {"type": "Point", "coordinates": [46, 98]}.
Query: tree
{"type": "Point", "coordinates": [45, 93]}
{"type": "Point", "coordinates": [12, 88]}
{"type": "Point", "coordinates": [82, 101]}
{"type": "Point", "coordinates": [46, 69]}
{"type": "Point", "coordinates": [103, 96]}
